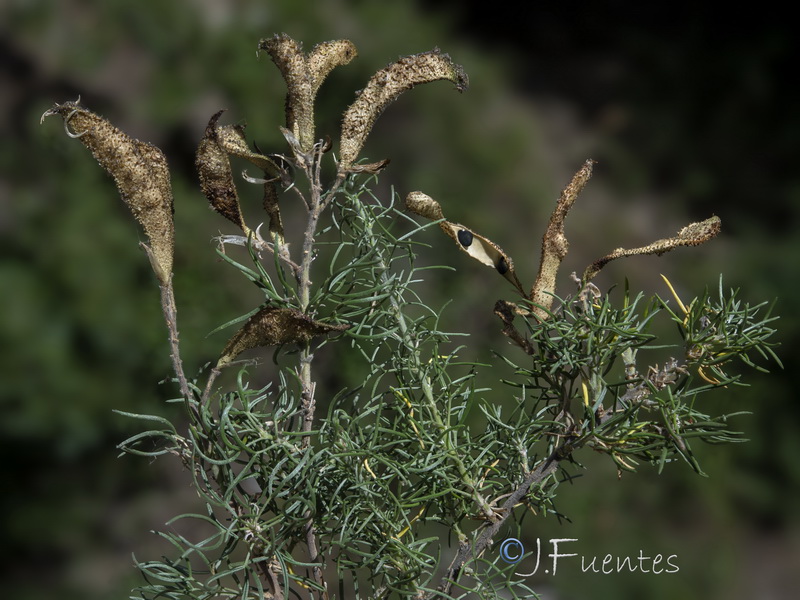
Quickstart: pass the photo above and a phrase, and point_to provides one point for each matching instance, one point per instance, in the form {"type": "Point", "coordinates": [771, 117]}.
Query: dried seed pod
{"type": "Point", "coordinates": [693, 234]}
{"type": "Point", "coordinates": [231, 138]}
{"type": "Point", "coordinates": [140, 172]}
{"type": "Point", "coordinates": [214, 168]}
{"type": "Point", "coordinates": [375, 167]}
{"type": "Point", "coordinates": [484, 250]}
{"type": "Point", "coordinates": [216, 178]}
{"type": "Point", "coordinates": [383, 88]}
{"type": "Point", "coordinates": [273, 210]}
{"type": "Point", "coordinates": [303, 76]}
{"type": "Point", "coordinates": [477, 246]}
{"type": "Point", "coordinates": [287, 55]}
{"type": "Point", "coordinates": [273, 326]}
{"type": "Point", "coordinates": [555, 244]}
{"type": "Point", "coordinates": [424, 206]}
{"type": "Point", "coordinates": [326, 56]}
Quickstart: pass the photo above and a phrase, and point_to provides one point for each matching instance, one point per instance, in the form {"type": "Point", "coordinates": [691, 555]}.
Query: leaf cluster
{"type": "Point", "coordinates": [588, 372]}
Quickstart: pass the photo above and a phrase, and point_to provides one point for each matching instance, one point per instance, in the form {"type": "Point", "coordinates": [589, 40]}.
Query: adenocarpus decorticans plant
{"type": "Point", "coordinates": [340, 486]}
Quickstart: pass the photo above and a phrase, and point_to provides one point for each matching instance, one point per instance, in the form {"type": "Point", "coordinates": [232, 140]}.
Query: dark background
{"type": "Point", "coordinates": [690, 112]}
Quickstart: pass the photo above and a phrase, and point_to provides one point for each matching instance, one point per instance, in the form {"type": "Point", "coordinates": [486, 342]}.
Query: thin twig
{"type": "Point", "coordinates": [212, 376]}
{"type": "Point", "coordinates": [170, 312]}
{"type": "Point", "coordinates": [467, 551]}
{"type": "Point", "coordinates": [535, 478]}
{"type": "Point", "coordinates": [307, 385]}
{"type": "Point", "coordinates": [313, 555]}
{"type": "Point", "coordinates": [272, 578]}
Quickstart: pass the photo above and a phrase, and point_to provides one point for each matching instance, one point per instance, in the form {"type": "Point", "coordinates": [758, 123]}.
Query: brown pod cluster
{"type": "Point", "coordinates": [273, 326]}
{"type": "Point", "coordinates": [478, 247]}
{"type": "Point", "coordinates": [140, 172]}
{"type": "Point", "coordinates": [214, 168]}
{"type": "Point", "coordinates": [554, 249]}
{"type": "Point", "coordinates": [304, 75]}
{"type": "Point", "coordinates": [383, 88]}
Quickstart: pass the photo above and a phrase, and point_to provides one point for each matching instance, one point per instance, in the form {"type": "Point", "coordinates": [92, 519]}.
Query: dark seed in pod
{"type": "Point", "coordinates": [502, 266]}
{"type": "Point", "coordinates": [465, 237]}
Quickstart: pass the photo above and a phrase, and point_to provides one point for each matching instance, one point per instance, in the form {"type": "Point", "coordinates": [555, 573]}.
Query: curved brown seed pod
{"type": "Point", "coordinates": [555, 245]}
{"type": "Point", "coordinates": [693, 234]}
{"type": "Point", "coordinates": [326, 56]}
{"type": "Point", "coordinates": [383, 88]}
{"type": "Point", "coordinates": [140, 172]}
{"type": "Point", "coordinates": [478, 247]}
{"type": "Point", "coordinates": [214, 168]}
{"type": "Point", "coordinates": [231, 138]}
{"type": "Point", "coordinates": [274, 212]}
{"type": "Point", "coordinates": [274, 326]}
{"type": "Point", "coordinates": [303, 78]}
{"type": "Point", "coordinates": [216, 178]}
{"type": "Point", "coordinates": [287, 55]}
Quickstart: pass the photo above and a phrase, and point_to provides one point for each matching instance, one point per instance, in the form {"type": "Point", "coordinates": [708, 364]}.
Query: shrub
{"type": "Point", "coordinates": [395, 482]}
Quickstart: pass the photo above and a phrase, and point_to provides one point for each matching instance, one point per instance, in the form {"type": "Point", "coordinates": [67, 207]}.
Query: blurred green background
{"type": "Point", "coordinates": [688, 112]}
